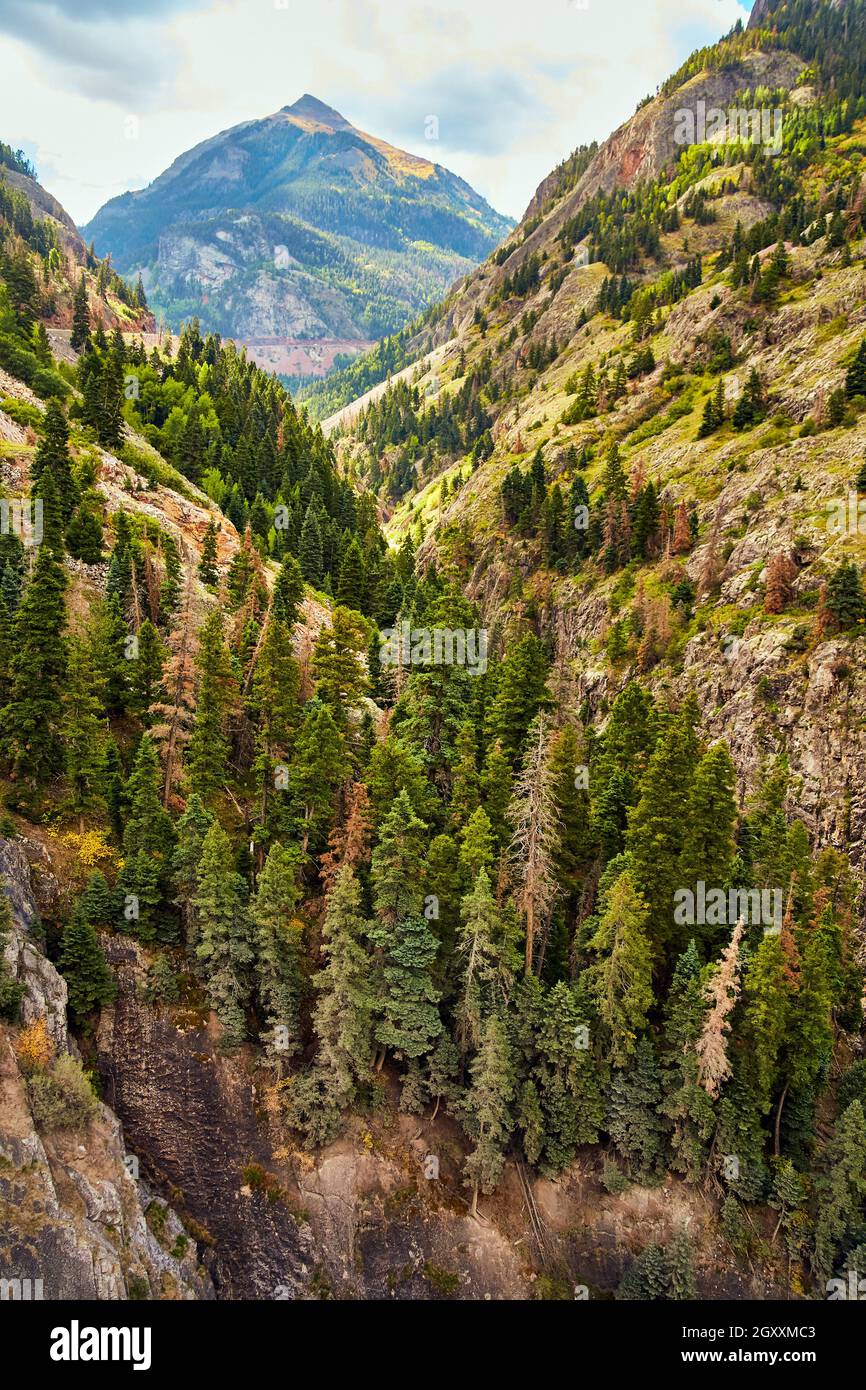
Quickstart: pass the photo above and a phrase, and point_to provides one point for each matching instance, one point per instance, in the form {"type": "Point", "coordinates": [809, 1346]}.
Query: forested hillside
{"type": "Point", "coordinates": [493, 761]}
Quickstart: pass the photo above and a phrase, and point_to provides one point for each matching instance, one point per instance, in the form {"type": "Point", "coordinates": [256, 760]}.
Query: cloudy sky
{"type": "Point", "coordinates": [104, 94]}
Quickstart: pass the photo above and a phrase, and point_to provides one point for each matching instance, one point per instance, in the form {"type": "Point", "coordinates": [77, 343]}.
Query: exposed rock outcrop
{"type": "Point", "coordinates": [76, 1221]}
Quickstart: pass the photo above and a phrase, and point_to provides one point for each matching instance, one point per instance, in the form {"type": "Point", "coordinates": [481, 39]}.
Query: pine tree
{"type": "Point", "coordinates": [781, 573]}
{"type": "Point", "coordinates": [173, 716]}
{"type": "Point", "coordinates": [841, 1192]}
{"type": "Point", "coordinates": [488, 963]}
{"type": "Point", "coordinates": [109, 426]}
{"type": "Point", "coordinates": [685, 1102]}
{"type": "Point", "coordinates": [310, 552]}
{"type": "Point", "coordinates": [279, 950]}
{"type": "Point", "coordinates": [751, 406]}
{"type": "Point", "coordinates": [319, 767]}
{"type": "Point", "coordinates": [342, 1019]}
{"type": "Point", "coordinates": [288, 592]}
{"type": "Point", "coordinates": [845, 601]}
{"type": "Point", "coordinates": [465, 781]}
{"type": "Point", "coordinates": [80, 316]}
{"type": "Point", "coordinates": [855, 378]}
{"type": "Point", "coordinates": [276, 708]}
{"type": "Point", "coordinates": [766, 1013]}
{"type": "Point", "coordinates": [477, 846]}
{"type": "Point", "coordinates": [350, 585]}
{"type": "Point", "coordinates": [407, 997]}
{"type": "Point", "coordinates": [722, 991]}
{"type": "Point", "coordinates": [84, 532]}
{"type": "Point", "coordinates": [572, 804]}
{"type": "Point", "coordinates": [83, 731]}
{"type": "Point", "coordinates": [31, 721]}
{"type": "Point", "coordinates": [657, 831]}
{"type": "Point", "coordinates": [622, 979]}
{"type": "Point", "coordinates": [225, 945]}
{"type": "Point", "coordinates": [567, 1077]}
{"type": "Point", "coordinates": [349, 842]}
{"type": "Point", "coordinates": [634, 1121]}
{"type": "Point", "coordinates": [487, 1110]}
{"type": "Point", "coordinates": [683, 540]}
{"type": "Point", "coordinates": [192, 828]}
{"type": "Point", "coordinates": [208, 752]}
{"type": "Point", "coordinates": [146, 669]}
{"type": "Point", "coordinates": [52, 456]}
{"type": "Point", "coordinates": [338, 664]}
{"type": "Point", "coordinates": [533, 814]}
{"type": "Point", "coordinates": [709, 849]}
{"type": "Point", "coordinates": [98, 902]}
{"type": "Point", "coordinates": [496, 792]}
{"type": "Point", "coordinates": [521, 695]}
{"type": "Point", "coordinates": [148, 841]}
{"type": "Point", "coordinates": [207, 568]}
{"type": "Point", "coordinates": [82, 963]}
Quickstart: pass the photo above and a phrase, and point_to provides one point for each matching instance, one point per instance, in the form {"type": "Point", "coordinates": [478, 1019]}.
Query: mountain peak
{"type": "Point", "coordinates": [311, 109]}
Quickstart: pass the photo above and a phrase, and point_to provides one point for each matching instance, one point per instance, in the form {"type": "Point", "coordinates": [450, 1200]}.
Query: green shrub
{"type": "Point", "coordinates": [63, 1097]}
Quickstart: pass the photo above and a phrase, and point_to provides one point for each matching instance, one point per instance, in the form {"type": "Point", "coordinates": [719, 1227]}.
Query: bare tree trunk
{"type": "Point", "coordinates": [779, 1122]}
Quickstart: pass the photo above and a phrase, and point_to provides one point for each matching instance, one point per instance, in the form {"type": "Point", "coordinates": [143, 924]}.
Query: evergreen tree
{"type": "Point", "coordinates": [148, 840]}
{"type": "Point", "coordinates": [52, 456]}
{"type": "Point", "coordinates": [207, 568]}
{"type": "Point", "coordinates": [84, 532]}
{"type": "Point", "coordinates": [841, 1192]}
{"type": "Point", "coordinates": [82, 963]}
{"type": "Point", "coordinates": [845, 600]}
{"type": "Point", "coordinates": [521, 695]}
{"type": "Point", "coordinates": [635, 1122]}
{"type": "Point", "coordinates": [338, 664]}
{"type": "Point", "coordinates": [855, 378]}
{"type": "Point", "coordinates": [83, 731]}
{"type": "Point", "coordinates": [342, 1019]}
{"type": "Point", "coordinates": [192, 828]}
{"type": "Point", "coordinates": [567, 1076]}
{"type": "Point", "coordinates": [685, 1101]}
{"type": "Point", "coordinates": [279, 950]}
{"type": "Point", "coordinates": [350, 585]}
{"type": "Point", "coordinates": [407, 997]}
{"type": "Point", "coordinates": [147, 668]}
{"type": "Point", "coordinates": [658, 832]}
{"type": "Point", "coordinates": [32, 719]}
{"type": "Point", "coordinates": [80, 316]}
{"type": "Point", "coordinates": [288, 592]}
{"type": "Point", "coordinates": [487, 1110]}
{"type": "Point", "coordinates": [488, 963]}
{"type": "Point", "coordinates": [310, 553]}
{"type": "Point", "coordinates": [208, 751]}
{"type": "Point", "coordinates": [275, 707]}
{"type": "Point", "coordinates": [320, 765]}
{"type": "Point", "coordinates": [622, 979]}
{"type": "Point", "coordinates": [225, 945]}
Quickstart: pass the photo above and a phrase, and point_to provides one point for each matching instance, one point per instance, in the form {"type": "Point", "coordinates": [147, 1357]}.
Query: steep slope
{"type": "Point", "coordinates": [298, 227]}
{"type": "Point", "coordinates": [32, 221]}
{"type": "Point", "coordinates": [517, 350]}
{"type": "Point", "coordinates": [361, 954]}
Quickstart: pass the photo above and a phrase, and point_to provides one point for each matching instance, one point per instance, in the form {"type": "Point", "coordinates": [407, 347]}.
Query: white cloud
{"type": "Point", "coordinates": [515, 86]}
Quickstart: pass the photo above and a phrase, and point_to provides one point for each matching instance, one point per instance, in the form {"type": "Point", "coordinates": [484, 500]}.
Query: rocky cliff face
{"type": "Point", "coordinates": [76, 1219]}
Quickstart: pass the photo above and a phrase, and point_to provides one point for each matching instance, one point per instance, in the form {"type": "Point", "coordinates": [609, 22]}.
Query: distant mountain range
{"type": "Point", "coordinates": [298, 229]}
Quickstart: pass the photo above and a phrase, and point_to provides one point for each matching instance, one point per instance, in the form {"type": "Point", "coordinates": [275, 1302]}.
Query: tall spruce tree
{"type": "Point", "coordinates": [279, 950]}
{"type": "Point", "coordinates": [225, 946]}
